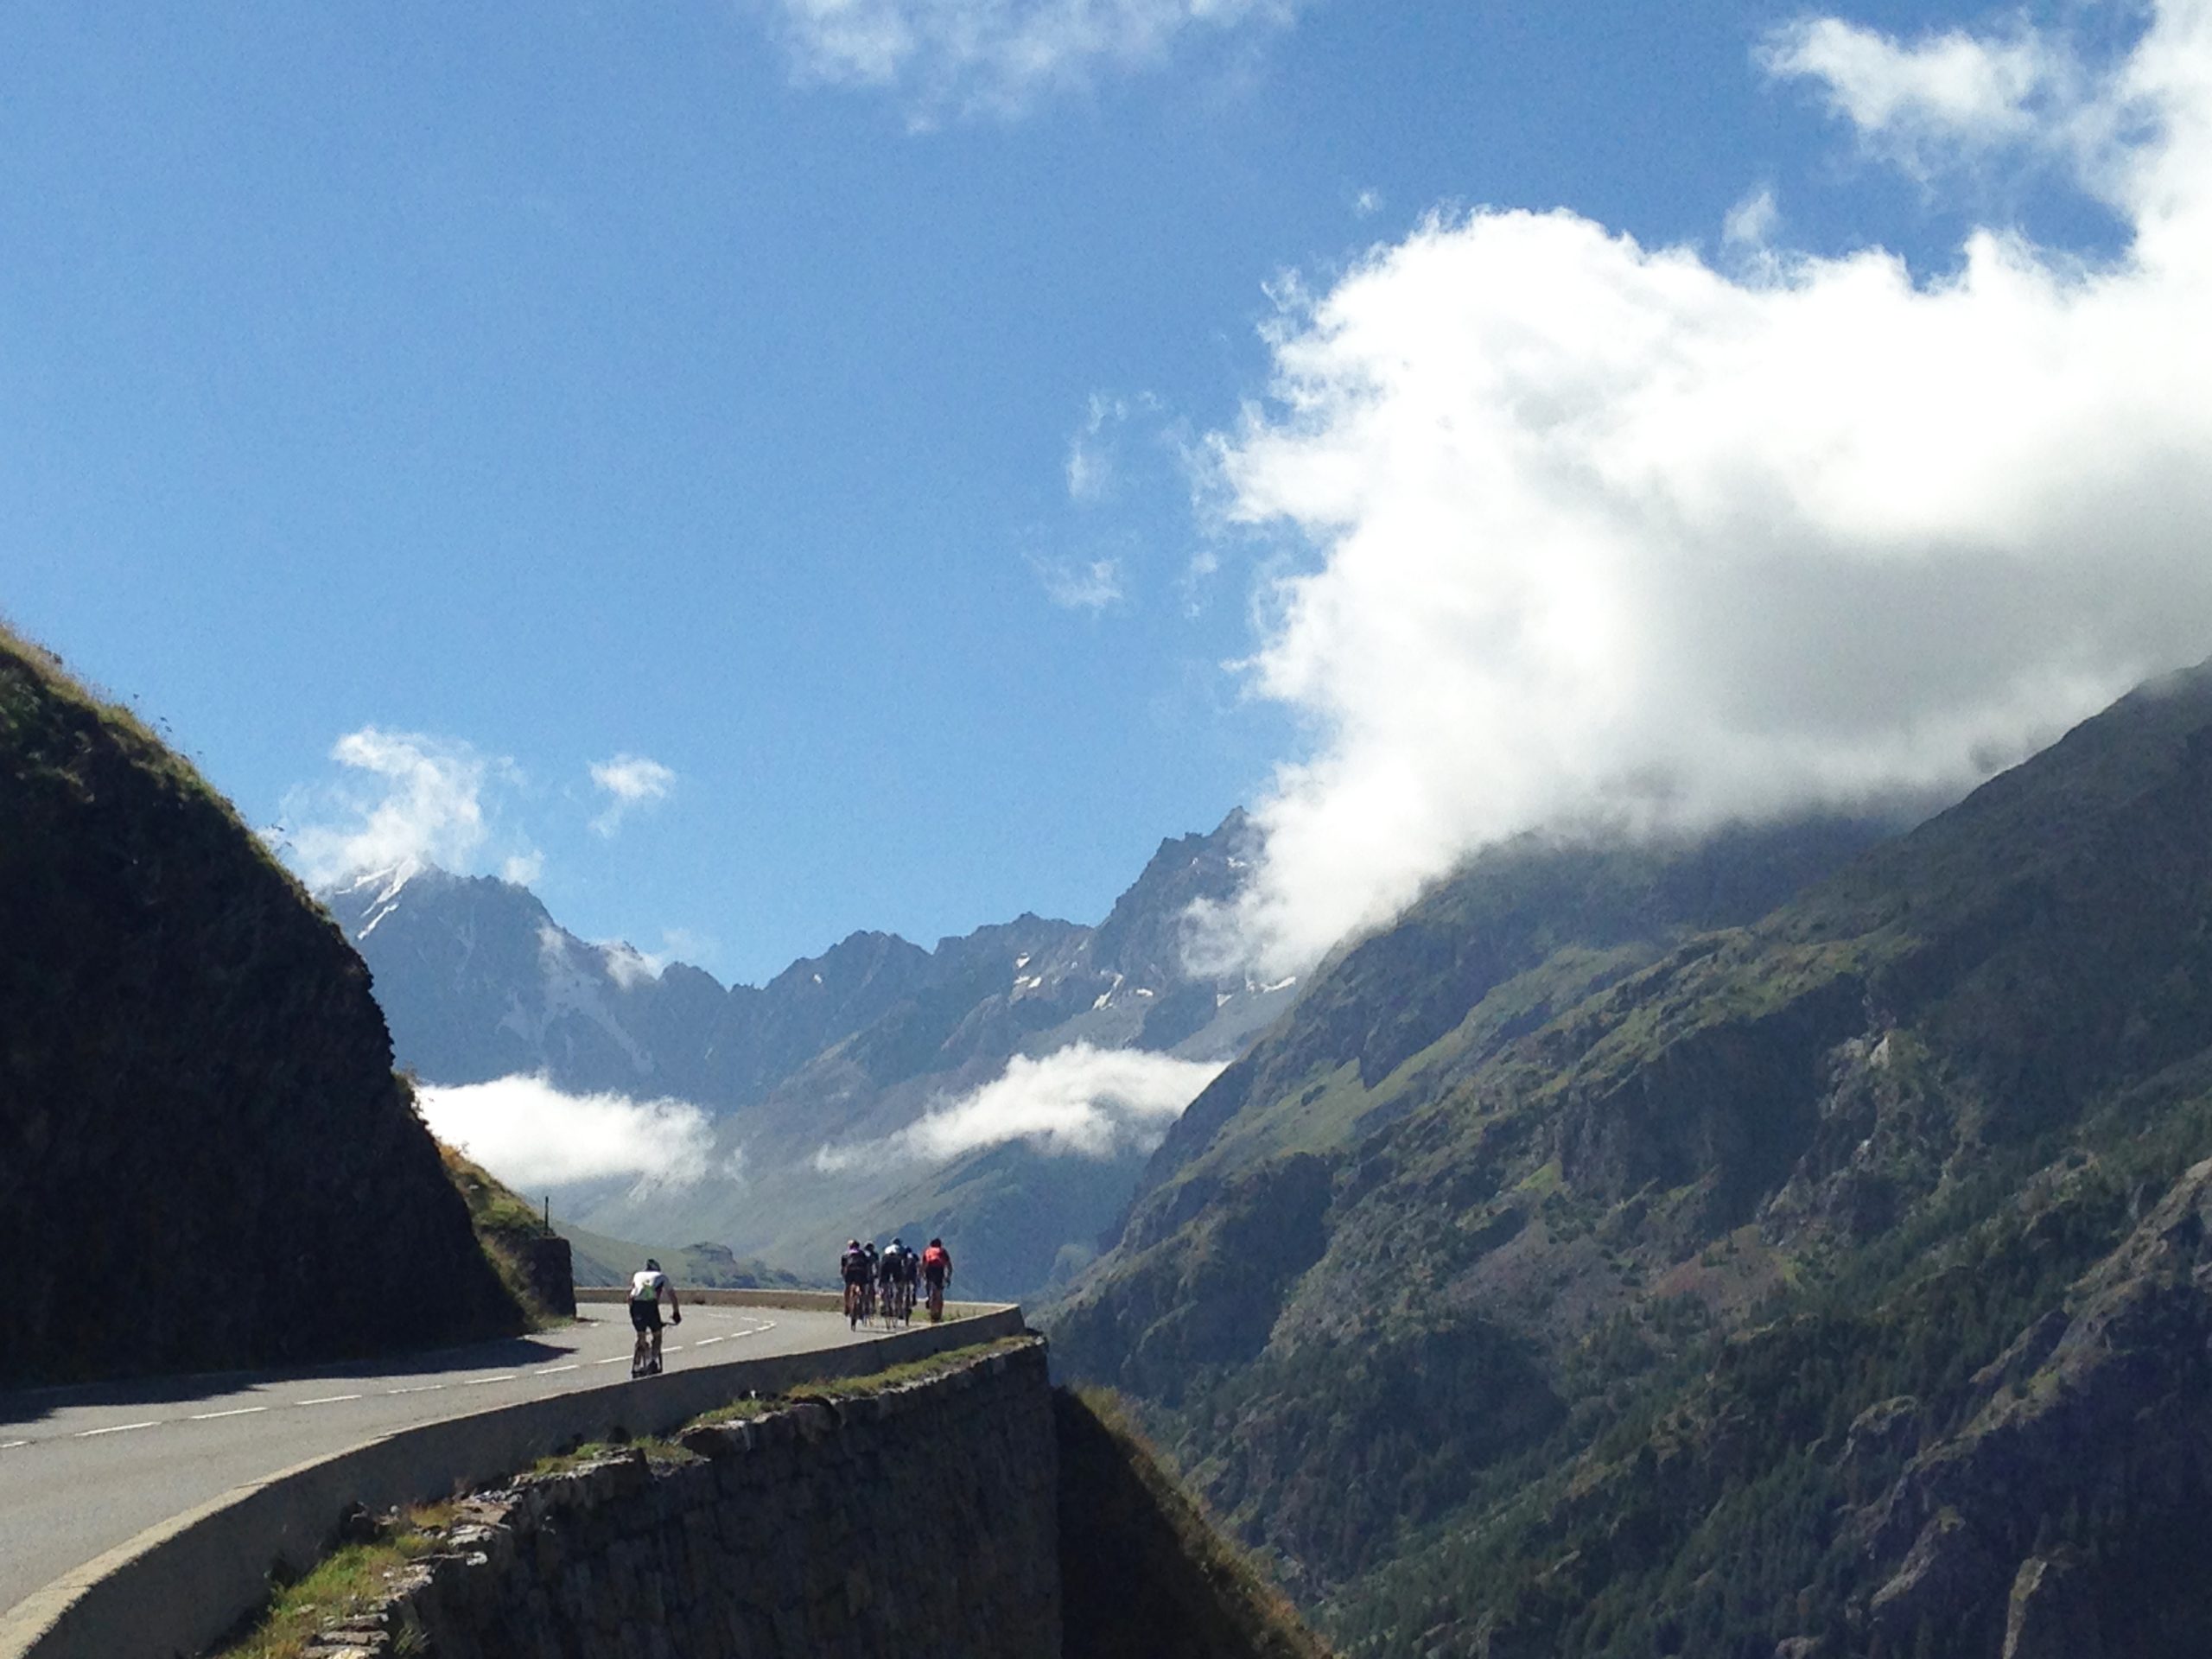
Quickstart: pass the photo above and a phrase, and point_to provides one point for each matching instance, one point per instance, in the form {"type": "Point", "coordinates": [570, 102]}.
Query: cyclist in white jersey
{"type": "Point", "coordinates": [647, 1286]}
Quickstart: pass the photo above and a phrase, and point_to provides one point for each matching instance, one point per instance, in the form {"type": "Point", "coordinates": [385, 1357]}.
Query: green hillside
{"type": "Point", "coordinates": [601, 1260]}
{"type": "Point", "coordinates": [1832, 1277]}
{"type": "Point", "coordinates": [204, 1158]}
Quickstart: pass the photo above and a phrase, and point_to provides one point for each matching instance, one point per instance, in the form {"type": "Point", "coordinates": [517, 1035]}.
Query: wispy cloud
{"type": "Point", "coordinates": [405, 796]}
{"type": "Point", "coordinates": [1751, 223]}
{"type": "Point", "coordinates": [1590, 528]}
{"type": "Point", "coordinates": [971, 57]}
{"type": "Point", "coordinates": [1080, 1102]}
{"type": "Point", "coordinates": [1078, 584]}
{"type": "Point", "coordinates": [1091, 466]}
{"type": "Point", "coordinates": [629, 781]}
{"type": "Point", "coordinates": [531, 1135]}
{"type": "Point", "coordinates": [1953, 100]}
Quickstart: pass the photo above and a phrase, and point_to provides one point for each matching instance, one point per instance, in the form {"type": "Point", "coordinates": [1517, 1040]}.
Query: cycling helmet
{"type": "Point", "coordinates": [852, 1243]}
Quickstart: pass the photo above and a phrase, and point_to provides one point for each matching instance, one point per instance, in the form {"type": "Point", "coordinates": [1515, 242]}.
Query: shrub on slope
{"type": "Point", "coordinates": [205, 1158]}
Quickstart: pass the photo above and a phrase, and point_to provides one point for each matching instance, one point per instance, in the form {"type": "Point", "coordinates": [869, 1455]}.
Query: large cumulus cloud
{"type": "Point", "coordinates": [1594, 528]}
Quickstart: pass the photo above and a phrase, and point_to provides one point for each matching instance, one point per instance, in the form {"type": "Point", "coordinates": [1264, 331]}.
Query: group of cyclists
{"type": "Point", "coordinates": [884, 1283]}
{"type": "Point", "coordinates": [887, 1282]}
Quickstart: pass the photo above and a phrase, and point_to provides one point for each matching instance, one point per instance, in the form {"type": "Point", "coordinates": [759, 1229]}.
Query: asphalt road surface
{"type": "Point", "coordinates": [83, 1470]}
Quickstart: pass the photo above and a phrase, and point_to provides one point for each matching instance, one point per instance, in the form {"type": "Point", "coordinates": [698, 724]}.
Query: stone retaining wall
{"type": "Point", "coordinates": [918, 1521]}
{"type": "Point", "coordinates": [177, 1586]}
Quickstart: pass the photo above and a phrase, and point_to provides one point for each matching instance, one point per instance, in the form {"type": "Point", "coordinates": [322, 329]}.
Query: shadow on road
{"type": "Point", "coordinates": [504, 1353]}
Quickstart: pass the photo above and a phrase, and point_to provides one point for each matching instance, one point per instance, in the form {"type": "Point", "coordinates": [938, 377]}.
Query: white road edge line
{"type": "Point", "coordinates": [120, 1429]}
{"type": "Point", "coordinates": [240, 1411]}
{"type": "Point", "coordinates": [327, 1399]}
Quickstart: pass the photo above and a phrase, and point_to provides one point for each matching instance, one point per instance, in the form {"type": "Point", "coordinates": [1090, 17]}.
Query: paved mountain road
{"type": "Point", "coordinates": [83, 1470]}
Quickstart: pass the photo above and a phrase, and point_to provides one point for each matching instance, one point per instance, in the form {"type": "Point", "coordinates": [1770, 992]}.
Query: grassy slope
{"type": "Point", "coordinates": [602, 1261]}
{"type": "Point", "coordinates": [1144, 1570]}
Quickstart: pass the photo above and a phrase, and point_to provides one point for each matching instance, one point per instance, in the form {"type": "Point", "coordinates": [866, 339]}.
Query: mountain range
{"type": "Point", "coordinates": [1697, 1250]}
{"type": "Point", "coordinates": [810, 1080]}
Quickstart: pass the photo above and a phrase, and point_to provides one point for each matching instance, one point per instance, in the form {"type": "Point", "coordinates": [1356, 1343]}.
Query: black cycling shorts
{"type": "Point", "coordinates": [646, 1316]}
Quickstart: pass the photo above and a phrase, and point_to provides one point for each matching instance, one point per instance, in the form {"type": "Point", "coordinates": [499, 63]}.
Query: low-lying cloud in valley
{"type": "Point", "coordinates": [1079, 1100]}
{"type": "Point", "coordinates": [531, 1135]}
{"type": "Point", "coordinates": [1591, 529]}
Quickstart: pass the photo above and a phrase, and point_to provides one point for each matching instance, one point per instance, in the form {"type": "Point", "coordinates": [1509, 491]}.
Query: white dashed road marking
{"type": "Point", "coordinates": [120, 1429]}
{"type": "Point", "coordinates": [329, 1400]}
{"type": "Point", "coordinates": [552, 1370]}
{"type": "Point", "coordinates": [241, 1411]}
{"type": "Point", "coordinates": [10, 1445]}
{"type": "Point", "coordinates": [479, 1382]}
{"type": "Point", "coordinates": [616, 1360]}
{"type": "Point", "coordinates": [428, 1388]}
{"type": "Point", "coordinates": [708, 1342]}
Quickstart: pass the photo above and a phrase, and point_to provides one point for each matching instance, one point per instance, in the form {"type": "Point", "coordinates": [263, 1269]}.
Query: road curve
{"type": "Point", "coordinates": [83, 1470]}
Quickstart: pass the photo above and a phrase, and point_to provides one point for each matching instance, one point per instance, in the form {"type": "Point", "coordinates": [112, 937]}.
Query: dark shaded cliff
{"type": "Point", "coordinates": [204, 1158]}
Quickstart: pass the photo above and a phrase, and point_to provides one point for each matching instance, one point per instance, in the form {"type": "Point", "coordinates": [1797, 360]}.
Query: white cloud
{"type": "Point", "coordinates": [1367, 203]}
{"type": "Point", "coordinates": [1950, 100]}
{"type": "Point", "coordinates": [409, 799]}
{"type": "Point", "coordinates": [531, 1135]}
{"type": "Point", "coordinates": [1080, 585]}
{"type": "Point", "coordinates": [1752, 222]}
{"type": "Point", "coordinates": [1593, 528]}
{"type": "Point", "coordinates": [1080, 1101]}
{"type": "Point", "coordinates": [522, 868]}
{"type": "Point", "coordinates": [629, 781]}
{"type": "Point", "coordinates": [997, 56]}
{"type": "Point", "coordinates": [1090, 451]}
{"type": "Point", "coordinates": [629, 967]}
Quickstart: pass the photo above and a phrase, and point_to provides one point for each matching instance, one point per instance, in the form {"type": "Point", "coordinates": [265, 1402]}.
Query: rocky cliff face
{"type": "Point", "coordinates": [1828, 1279]}
{"type": "Point", "coordinates": [204, 1158]}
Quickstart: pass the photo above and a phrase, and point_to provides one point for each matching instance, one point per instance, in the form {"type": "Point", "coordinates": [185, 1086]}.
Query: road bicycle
{"type": "Point", "coordinates": [645, 1352]}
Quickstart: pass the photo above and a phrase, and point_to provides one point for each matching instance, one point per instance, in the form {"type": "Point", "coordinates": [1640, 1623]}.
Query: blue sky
{"type": "Point", "coordinates": [854, 430]}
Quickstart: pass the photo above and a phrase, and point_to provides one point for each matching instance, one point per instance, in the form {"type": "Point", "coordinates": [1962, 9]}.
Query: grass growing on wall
{"type": "Point", "coordinates": [353, 1582]}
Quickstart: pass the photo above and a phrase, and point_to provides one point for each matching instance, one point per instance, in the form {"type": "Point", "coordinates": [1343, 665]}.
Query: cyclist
{"type": "Point", "coordinates": [909, 1269]}
{"type": "Point", "coordinates": [647, 1286]}
{"type": "Point", "coordinates": [853, 1268]}
{"type": "Point", "coordinates": [867, 1281]}
{"type": "Point", "coordinates": [890, 1275]}
{"type": "Point", "coordinates": [937, 1274]}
